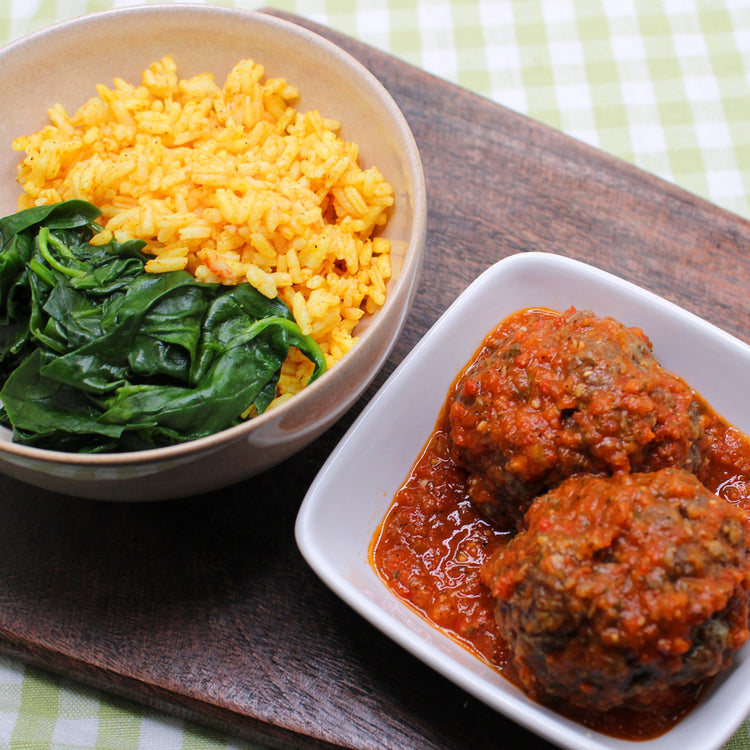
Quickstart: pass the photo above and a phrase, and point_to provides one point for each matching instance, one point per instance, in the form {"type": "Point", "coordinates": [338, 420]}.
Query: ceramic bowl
{"type": "Point", "coordinates": [63, 63]}
{"type": "Point", "coordinates": [351, 494]}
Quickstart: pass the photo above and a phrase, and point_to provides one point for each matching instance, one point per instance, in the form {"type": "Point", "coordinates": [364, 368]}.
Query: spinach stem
{"type": "Point", "coordinates": [45, 238]}
{"type": "Point", "coordinates": [42, 271]}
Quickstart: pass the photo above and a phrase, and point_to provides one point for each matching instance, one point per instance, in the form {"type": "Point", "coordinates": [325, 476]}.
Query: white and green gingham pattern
{"type": "Point", "coordinates": [660, 83]}
{"type": "Point", "coordinates": [663, 84]}
{"type": "Point", "coordinates": [41, 711]}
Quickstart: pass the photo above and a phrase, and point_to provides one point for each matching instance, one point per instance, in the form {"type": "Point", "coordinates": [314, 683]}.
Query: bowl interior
{"type": "Point", "coordinates": [49, 67]}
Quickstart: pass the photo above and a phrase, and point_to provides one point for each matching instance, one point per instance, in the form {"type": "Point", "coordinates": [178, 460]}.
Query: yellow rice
{"type": "Point", "coordinates": [230, 183]}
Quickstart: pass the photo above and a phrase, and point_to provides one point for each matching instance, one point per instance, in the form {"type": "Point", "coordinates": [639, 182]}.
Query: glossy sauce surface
{"type": "Point", "coordinates": [433, 542]}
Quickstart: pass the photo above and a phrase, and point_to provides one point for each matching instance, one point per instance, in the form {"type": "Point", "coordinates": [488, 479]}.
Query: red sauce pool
{"type": "Point", "coordinates": [432, 543]}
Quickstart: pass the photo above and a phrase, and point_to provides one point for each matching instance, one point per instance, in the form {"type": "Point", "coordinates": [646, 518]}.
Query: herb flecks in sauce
{"type": "Point", "coordinates": [433, 543]}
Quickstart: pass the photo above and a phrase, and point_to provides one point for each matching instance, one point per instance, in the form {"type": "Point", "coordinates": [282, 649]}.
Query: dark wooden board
{"type": "Point", "coordinates": [204, 607]}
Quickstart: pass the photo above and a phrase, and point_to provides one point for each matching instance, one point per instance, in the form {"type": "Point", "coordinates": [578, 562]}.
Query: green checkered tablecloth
{"type": "Point", "coordinates": [662, 84]}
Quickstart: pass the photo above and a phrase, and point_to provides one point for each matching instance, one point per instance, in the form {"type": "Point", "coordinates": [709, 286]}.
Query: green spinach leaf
{"type": "Point", "coordinates": [96, 354]}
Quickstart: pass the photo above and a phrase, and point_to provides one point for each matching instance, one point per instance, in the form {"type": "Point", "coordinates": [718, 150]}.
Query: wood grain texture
{"type": "Point", "coordinates": [204, 607]}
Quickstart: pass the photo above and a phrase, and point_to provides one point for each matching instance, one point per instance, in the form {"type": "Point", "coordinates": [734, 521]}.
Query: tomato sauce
{"type": "Point", "coordinates": [432, 544]}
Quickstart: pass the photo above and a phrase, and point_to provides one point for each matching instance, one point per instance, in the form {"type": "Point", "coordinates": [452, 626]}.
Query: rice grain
{"type": "Point", "coordinates": [232, 184]}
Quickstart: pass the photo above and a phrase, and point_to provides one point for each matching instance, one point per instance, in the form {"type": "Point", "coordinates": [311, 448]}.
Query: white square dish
{"type": "Point", "coordinates": [351, 494]}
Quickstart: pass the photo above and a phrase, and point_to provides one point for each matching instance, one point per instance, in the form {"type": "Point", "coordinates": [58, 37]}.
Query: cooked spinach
{"type": "Point", "coordinates": [98, 355]}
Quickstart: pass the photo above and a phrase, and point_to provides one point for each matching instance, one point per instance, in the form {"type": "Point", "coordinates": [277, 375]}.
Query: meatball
{"type": "Point", "coordinates": [554, 395]}
{"type": "Point", "coordinates": [623, 589]}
